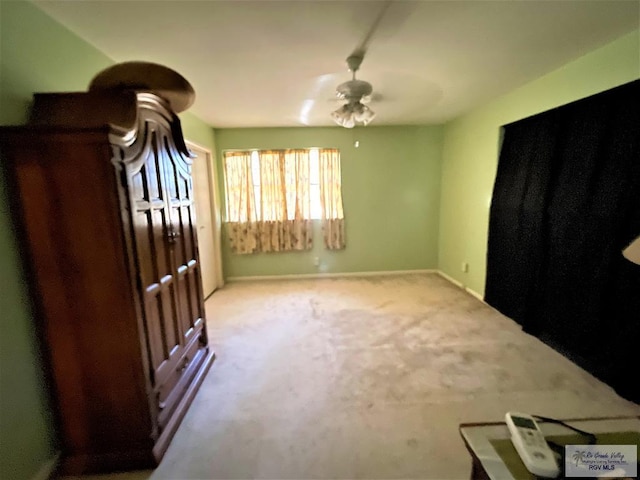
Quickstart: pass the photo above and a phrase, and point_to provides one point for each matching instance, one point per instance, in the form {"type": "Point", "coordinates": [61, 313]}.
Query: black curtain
{"type": "Point", "coordinates": [566, 201]}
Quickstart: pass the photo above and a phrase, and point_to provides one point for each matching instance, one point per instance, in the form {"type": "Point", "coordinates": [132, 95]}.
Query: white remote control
{"type": "Point", "coordinates": [530, 444]}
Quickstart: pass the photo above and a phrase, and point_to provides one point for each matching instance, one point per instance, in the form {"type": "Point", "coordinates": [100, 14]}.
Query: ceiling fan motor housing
{"type": "Point", "coordinates": [354, 90]}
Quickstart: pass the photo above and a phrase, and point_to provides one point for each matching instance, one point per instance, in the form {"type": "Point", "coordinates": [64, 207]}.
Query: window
{"type": "Point", "coordinates": [314, 184]}
{"type": "Point", "coordinates": [272, 196]}
{"type": "Point", "coordinates": [254, 157]}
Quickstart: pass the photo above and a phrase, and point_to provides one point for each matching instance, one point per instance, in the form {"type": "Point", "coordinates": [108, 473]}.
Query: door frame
{"type": "Point", "coordinates": [216, 217]}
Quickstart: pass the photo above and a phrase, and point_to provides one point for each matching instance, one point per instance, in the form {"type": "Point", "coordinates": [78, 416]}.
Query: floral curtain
{"type": "Point", "coordinates": [284, 223]}
{"type": "Point", "coordinates": [332, 215]}
{"type": "Point", "coordinates": [271, 215]}
{"type": "Point", "coordinates": [241, 208]}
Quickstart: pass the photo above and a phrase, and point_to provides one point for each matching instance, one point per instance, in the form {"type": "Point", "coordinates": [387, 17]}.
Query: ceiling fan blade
{"type": "Point", "coordinates": [390, 17]}
{"type": "Point", "coordinates": [361, 49]}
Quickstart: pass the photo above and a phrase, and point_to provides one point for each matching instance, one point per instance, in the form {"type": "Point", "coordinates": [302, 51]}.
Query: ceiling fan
{"type": "Point", "coordinates": [356, 93]}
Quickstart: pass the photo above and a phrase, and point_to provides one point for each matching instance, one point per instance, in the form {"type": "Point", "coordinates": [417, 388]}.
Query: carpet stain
{"type": "Point", "coordinates": [413, 443]}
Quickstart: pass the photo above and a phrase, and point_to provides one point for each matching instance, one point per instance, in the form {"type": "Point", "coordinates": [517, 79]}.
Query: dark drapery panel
{"type": "Point", "coordinates": [517, 212]}
{"type": "Point", "coordinates": [566, 202]}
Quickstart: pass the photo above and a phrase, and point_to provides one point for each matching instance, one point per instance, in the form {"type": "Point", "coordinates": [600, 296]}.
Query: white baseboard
{"type": "Point", "coordinates": [474, 293]}
{"type": "Point", "coordinates": [461, 285]}
{"type": "Point", "coordinates": [450, 279]}
{"type": "Point", "coordinates": [328, 275]}
{"type": "Point", "coordinates": [48, 468]}
{"type": "Point", "coordinates": [309, 276]}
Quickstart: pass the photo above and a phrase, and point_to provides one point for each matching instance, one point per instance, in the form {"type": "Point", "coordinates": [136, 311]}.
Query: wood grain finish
{"type": "Point", "coordinates": [105, 216]}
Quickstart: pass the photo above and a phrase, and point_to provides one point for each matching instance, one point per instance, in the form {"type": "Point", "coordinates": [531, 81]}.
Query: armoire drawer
{"type": "Point", "coordinates": [170, 393]}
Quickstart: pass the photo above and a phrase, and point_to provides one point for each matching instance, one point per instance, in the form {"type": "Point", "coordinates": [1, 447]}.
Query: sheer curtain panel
{"type": "Point", "coordinates": [241, 206]}
{"type": "Point", "coordinates": [332, 215]}
{"type": "Point", "coordinates": [284, 222]}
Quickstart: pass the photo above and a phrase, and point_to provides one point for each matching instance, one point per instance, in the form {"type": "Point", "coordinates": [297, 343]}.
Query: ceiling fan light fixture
{"type": "Point", "coordinates": [352, 114]}
{"type": "Point", "coordinates": [349, 122]}
{"type": "Point", "coordinates": [363, 114]}
{"type": "Point", "coordinates": [341, 115]}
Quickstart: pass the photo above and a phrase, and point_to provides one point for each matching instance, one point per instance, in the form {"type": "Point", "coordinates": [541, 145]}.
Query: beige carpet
{"type": "Point", "coordinates": [363, 378]}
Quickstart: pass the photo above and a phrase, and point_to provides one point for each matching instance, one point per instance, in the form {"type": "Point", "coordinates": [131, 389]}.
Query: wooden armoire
{"type": "Point", "coordinates": [101, 190]}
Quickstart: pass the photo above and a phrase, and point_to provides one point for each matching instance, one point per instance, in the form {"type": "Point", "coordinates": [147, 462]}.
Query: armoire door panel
{"type": "Point", "coordinates": [155, 345]}
{"type": "Point", "coordinates": [188, 229]}
{"type": "Point", "coordinates": [190, 288]}
{"type": "Point", "coordinates": [156, 270]}
{"type": "Point", "coordinates": [170, 333]}
{"type": "Point", "coordinates": [158, 224]}
{"type": "Point", "coordinates": [187, 313]}
{"type": "Point", "coordinates": [150, 269]}
{"type": "Point", "coordinates": [152, 257]}
{"type": "Point", "coordinates": [164, 342]}
{"type": "Point", "coordinates": [171, 171]}
{"type": "Point", "coordinates": [196, 295]}
{"type": "Point", "coordinates": [185, 257]}
{"type": "Point", "coordinates": [153, 184]}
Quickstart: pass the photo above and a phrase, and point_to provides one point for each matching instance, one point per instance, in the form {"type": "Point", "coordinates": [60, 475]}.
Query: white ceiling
{"type": "Point", "coordinates": [277, 63]}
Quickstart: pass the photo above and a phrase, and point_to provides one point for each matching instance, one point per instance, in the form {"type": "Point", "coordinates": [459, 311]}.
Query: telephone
{"type": "Point", "coordinates": [530, 444]}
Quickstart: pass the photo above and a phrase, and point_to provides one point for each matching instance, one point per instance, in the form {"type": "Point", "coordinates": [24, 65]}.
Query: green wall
{"type": "Point", "coordinates": [391, 186]}
{"type": "Point", "coordinates": [471, 142]}
{"type": "Point", "coordinates": [37, 54]}
{"type": "Point", "coordinates": [198, 132]}
{"type": "Point", "coordinates": [390, 189]}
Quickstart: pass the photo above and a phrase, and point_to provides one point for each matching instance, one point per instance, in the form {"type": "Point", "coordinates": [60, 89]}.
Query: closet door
{"type": "Point", "coordinates": [156, 275]}
{"type": "Point", "coordinates": [208, 218]}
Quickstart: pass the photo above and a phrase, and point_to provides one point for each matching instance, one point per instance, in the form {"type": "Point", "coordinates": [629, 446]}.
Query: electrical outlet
{"type": "Point", "coordinates": [316, 261]}
{"type": "Point", "coordinates": [465, 267]}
